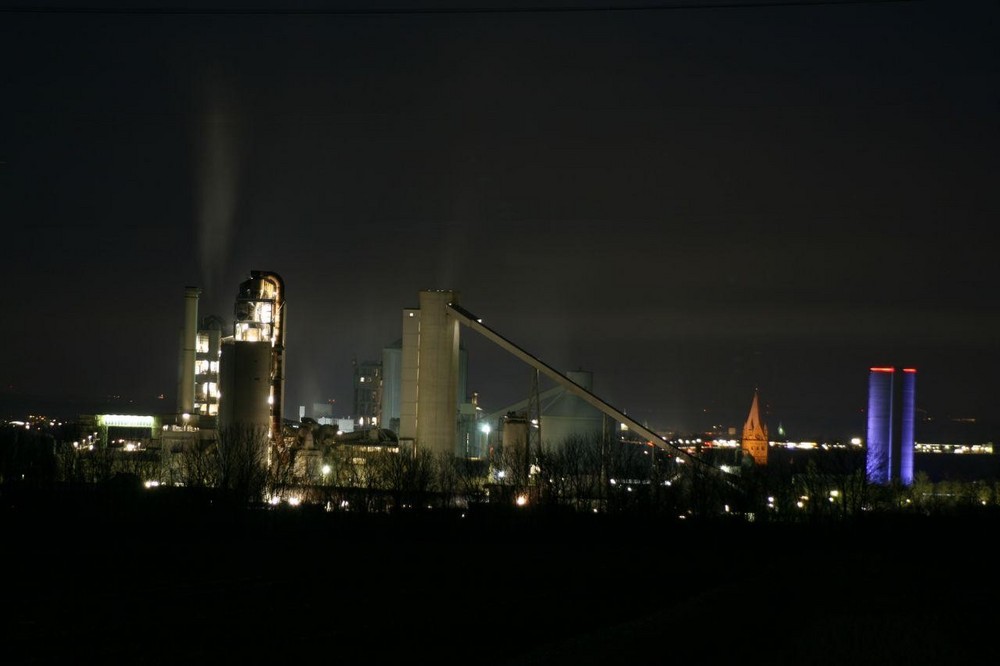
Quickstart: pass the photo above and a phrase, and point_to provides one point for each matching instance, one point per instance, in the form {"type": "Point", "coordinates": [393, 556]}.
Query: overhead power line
{"type": "Point", "coordinates": [376, 11]}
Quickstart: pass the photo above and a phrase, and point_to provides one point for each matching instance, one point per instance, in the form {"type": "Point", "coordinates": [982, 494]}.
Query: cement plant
{"type": "Point", "coordinates": [418, 439]}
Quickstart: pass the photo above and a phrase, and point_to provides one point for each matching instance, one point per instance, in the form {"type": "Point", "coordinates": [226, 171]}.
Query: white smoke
{"type": "Point", "coordinates": [217, 186]}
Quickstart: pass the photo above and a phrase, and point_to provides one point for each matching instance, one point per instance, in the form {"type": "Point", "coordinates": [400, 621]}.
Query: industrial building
{"type": "Point", "coordinates": [367, 392]}
{"type": "Point", "coordinates": [892, 396]}
{"type": "Point", "coordinates": [228, 381]}
{"type": "Point", "coordinates": [201, 350]}
{"type": "Point", "coordinates": [237, 379]}
{"type": "Point", "coordinates": [561, 414]}
{"type": "Point", "coordinates": [428, 416]}
{"type": "Point", "coordinates": [247, 365]}
{"type": "Point", "coordinates": [416, 396]}
{"type": "Point", "coordinates": [390, 403]}
{"type": "Point", "coordinates": [429, 366]}
{"type": "Point", "coordinates": [418, 391]}
{"type": "Point", "coordinates": [253, 359]}
{"type": "Point", "coordinates": [198, 390]}
{"type": "Point", "coordinates": [208, 355]}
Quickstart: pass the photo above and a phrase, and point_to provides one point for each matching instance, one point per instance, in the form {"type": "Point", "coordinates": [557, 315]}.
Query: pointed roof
{"type": "Point", "coordinates": [753, 420]}
{"type": "Point", "coordinates": [753, 428]}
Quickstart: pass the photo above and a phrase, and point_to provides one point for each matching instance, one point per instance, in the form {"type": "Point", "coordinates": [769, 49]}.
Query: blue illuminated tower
{"type": "Point", "coordinates": [892, 395]}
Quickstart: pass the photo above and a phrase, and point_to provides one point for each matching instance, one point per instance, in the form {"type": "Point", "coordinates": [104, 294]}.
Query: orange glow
{"type": "Point", "coordinates": [909, 369]}
{"type": "Point", "coordinates": [883, 369]}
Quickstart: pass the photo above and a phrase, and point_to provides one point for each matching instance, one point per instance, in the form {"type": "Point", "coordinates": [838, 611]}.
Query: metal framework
{"type": "Point", "coordinates": [476, 324]}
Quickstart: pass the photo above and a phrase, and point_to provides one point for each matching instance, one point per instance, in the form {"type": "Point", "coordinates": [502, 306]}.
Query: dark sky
{"type": "Point", "coordinates": [690, 203]}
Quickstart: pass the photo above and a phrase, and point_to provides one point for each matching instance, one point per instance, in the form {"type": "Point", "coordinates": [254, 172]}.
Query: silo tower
{"type": "Point", "coordinates": [253, 359]}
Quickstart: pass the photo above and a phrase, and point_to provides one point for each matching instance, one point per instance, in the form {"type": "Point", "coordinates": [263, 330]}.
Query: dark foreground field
{"type": "Point", "coordinates": [129, 584]}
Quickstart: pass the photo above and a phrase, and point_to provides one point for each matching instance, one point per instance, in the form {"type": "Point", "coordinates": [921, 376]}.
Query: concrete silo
{"type": "Point", "coordinates": [428, 416]}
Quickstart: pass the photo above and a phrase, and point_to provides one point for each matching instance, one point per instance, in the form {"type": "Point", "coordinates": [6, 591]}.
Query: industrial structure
{"type": "Point", "coordinates": [413, 401]}
{"type": "Point", "coordinates": [367, 392]}
{"type": "Point", "coordinates": [892, 395]}
{"type": "Point", "coordinates": [198, 389]}
{"type": "Point", "coordinates": [208, 355]}
{"type": "Point", "coordinates": [513, 454]}
{"type": "Point", "coordinates": [429, 394]}
{"type": "Point", "coordinates": [430, 365]}
{"type": "Point", "coordinates": [390, 403]}
{"type": "Point", "coordinates": [186, 368]}
{"type": "Point", "coordinates": [228, 381]}
{"type": "Point", "coordinates": [561, 413]}
{"type": "Point", "coordinates": [253, 358]}
{"type": "Point", "coordinates": [754, 442]}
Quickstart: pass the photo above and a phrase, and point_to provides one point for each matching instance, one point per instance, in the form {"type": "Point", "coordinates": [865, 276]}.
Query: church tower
{"type": "Point", "coordinates": [754, 442]}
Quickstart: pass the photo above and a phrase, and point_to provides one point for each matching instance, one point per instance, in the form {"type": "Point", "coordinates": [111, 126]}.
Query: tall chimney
{"type": "Point", "coordinates": [189, 338]}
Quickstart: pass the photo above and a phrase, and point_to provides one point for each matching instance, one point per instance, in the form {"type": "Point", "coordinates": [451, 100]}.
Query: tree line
{"type": "Point", "coordinates": [592, 474]}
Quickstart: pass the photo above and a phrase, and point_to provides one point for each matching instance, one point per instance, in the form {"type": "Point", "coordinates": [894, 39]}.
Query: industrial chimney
{"type": "Point", "coordinates": [189, 337]}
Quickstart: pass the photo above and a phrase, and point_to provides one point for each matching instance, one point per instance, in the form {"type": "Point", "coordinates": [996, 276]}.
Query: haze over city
{"type": "Point", "coordinates": [689, 201]}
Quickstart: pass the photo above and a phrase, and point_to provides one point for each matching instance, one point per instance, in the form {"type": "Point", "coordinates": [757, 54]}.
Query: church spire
{"type": "Point", "coordinates": [755, 442]}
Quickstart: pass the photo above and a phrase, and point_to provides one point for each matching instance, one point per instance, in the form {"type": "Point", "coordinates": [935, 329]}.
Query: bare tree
{"type": "Point", "coordinates": [197, 464]}
{"type": "Point", "coordinates": [446, 479]}
{"type": "Point", "coordinates": [472, 479]}
{"type": "Point", "coordinates": [241, 455]}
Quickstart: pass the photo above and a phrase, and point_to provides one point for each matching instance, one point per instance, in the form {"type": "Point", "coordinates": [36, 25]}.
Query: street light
{"type": "Point", "coordinates": [485, 429]}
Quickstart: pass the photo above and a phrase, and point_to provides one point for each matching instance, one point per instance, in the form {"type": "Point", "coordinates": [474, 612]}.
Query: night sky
{"type": "Point", "coordinates": [690, 203]}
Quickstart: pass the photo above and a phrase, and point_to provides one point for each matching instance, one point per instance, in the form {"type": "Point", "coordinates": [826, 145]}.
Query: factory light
{"type": "Point", "coordinates": [125, 421]}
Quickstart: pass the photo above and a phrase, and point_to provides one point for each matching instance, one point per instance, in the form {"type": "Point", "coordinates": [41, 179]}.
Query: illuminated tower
{"type": "Point", "coordinates": [253, 358]}
{"type": "Point", "coordinates": [892, 395]}
{"type": "Point", "coordinates": [428, 416]}
{"type": "Point", "coordinates": [754, 442]}
{"type": "Point", "coordinates": [206, 371]}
